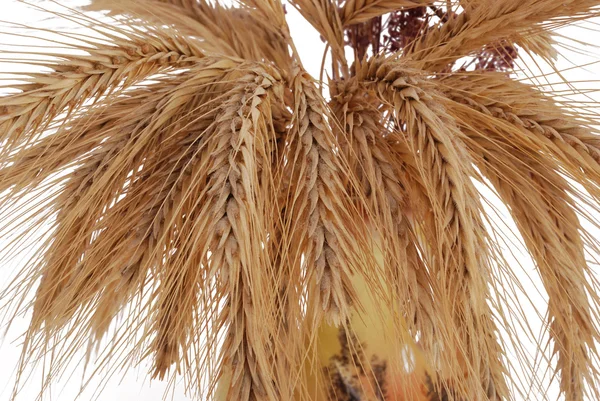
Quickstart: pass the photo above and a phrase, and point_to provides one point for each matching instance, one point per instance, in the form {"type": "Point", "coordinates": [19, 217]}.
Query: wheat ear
{"type": "Point", "coordinates": [242, 224]}
{"type": "Point", "coordinates": [545, 213]}
{"type": "Point", "coordinates": [381, 174]}
{"type": "Point", "coordinates": [265, 35]}
{"type": "Point", "coordinates": [461, 271]}
{"type": "Point", "coordinates": [95, 183]}
{"type": "Point", "coordinates": [525, 115]}
{"type": "Point", "coordinates": [32, 163]}
{"type": "Point", "coordinates": [358, 11]}
{"type": "Point", "coordinates": [87, 260]}
{"type": "Point", "coordinates": [75, 79]}
{"type": "Point", "coordinates": [489, 22]}
{"type": "Point", "coordinates": [550, 228]}
{"type": "Point", "coordinates": [319, 212]}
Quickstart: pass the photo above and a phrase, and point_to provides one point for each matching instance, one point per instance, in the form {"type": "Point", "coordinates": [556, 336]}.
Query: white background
{"type": "Point", "coordinates": [134, 385]}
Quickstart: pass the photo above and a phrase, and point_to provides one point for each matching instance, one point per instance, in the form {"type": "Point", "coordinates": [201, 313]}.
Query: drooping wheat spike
{"type": "Point", "coordinates": [216, 24]}
{"type": "Point", "coordinates": [102, 264]}
{"type": "Point", "coordinates": [112, 127]}
{"type": "Point", "coordinates": [486, 22]}
{"type": "Point", "coordinates": [207, 207]}
{"type": "Point", "coordinates": [376, 167]}
{"type": "Point", "coordinates": [314, 250]}
{"type": "Point", "coordinates": [382, 174]}
{"type": "Point", "coordinates": [461, 261]}
{"type": "Point", "coordinates": [178, 253]}
{"type": "Point", "coordinates": [246, 349]}
{"type": "Point", "coordinates": [75, 79]}
{"type": "Point", "coordinates": [546, 212]}
{"type": "Point", "coordinates": [93, 186]}
{"type": "Point", "coordinates": [547, 221]}
{"type": "Point", "coordinates": [535, 120]}
{"type": "Point", "coordinates": [317, 212]}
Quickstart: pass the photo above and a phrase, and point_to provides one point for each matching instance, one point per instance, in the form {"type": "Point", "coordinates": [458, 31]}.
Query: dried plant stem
{"type": "Point", "coordinates": [324, 17]}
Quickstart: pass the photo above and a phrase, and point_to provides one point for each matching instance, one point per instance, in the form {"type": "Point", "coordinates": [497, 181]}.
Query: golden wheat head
{"type": "Point", "coordinates": [184, 192]}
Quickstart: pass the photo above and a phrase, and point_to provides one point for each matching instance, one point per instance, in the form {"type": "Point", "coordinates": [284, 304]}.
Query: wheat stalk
{"type": "Point", "coordinates": [324, 17]}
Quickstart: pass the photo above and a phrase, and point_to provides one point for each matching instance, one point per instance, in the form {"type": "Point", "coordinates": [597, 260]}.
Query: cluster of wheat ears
{"type": "Point", "coordinates": [189, 195]}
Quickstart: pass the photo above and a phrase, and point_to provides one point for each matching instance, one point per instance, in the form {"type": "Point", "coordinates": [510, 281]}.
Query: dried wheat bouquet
{"type": "Point", "coordinates": [185, 193]}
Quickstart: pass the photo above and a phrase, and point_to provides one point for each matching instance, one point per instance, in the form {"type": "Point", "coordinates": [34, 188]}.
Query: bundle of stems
{"type": "Point", "coordinates": [185, 193]}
